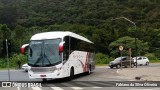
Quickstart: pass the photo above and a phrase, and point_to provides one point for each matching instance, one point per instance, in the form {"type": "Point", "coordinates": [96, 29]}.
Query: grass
{"type": "Point", "coordinates": [154, 61]}
{"type": "Point", "coordinates": [7, 68]}
{"type": "Point", "coordinates": [101, 64]}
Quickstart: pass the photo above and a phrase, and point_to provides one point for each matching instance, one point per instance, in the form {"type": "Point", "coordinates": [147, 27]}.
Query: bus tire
{"type": "Point", "coordinates": [44, 80]}
{"type": "Point", "coordinates": [89, 70]}
{"type": "Point", "coordinates": [71, 74]}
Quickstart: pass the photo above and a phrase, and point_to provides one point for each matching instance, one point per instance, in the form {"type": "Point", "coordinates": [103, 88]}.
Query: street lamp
{"type": "Point", "coordinates": [135, 27]}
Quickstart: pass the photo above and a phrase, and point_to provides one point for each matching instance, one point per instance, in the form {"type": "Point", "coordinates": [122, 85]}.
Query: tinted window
{"type": "Point", "coordinates": [140, 58]}
{"type": "Point", "coordinates": [124, 59]}
{"type": "Point", "coordinates": [72, 44]}
{"type": "Point", "coordinates": [44, 52]}
{"type": "Point", "coordinates": [144, 58]}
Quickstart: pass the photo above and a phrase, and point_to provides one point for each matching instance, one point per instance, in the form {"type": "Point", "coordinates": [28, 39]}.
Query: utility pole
{"type": "Point", "coordinates": [6, 42]}
{"type": "Point", "coordinates": [135, 27]}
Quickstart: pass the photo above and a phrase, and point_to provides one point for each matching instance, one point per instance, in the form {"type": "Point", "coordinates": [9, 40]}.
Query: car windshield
{"type": "Point", "coordinates": [44, 52]}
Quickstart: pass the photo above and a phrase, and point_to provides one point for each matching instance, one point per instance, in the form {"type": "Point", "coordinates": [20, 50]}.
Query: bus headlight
{"type": "Point", "coordinates": [59, 68]}
{"type": "Point", "coordinates": [52, 69]}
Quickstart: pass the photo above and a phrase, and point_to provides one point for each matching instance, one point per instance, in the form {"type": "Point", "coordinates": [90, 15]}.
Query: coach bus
{"type": "Point", "coordinates": [59, 54]}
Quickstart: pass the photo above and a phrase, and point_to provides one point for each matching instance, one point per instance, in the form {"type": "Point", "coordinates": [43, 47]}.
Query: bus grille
{"type": "Point", "coordinates": [43, 69]}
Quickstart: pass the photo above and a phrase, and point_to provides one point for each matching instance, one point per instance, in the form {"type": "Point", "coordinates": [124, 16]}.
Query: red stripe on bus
{"type": "Point", "coordinates": [85, 65]}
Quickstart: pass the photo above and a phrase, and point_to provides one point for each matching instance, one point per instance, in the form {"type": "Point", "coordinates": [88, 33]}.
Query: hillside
{"type": "Point", "coordinates": [20, 19]}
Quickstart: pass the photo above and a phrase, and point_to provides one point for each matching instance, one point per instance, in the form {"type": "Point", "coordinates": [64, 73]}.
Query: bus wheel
{"type": "Point", "coordinates": [44, 80]}
{"type": "Point", "coordinates": [89, 70]}
{"type": "Point", "coordinates": [71, 74]}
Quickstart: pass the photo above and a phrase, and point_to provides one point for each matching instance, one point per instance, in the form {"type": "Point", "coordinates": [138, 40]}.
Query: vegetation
{"type": "Point", "coordinates": [20, 19]}
{"type": "Point", "coordinates": [12, 61]}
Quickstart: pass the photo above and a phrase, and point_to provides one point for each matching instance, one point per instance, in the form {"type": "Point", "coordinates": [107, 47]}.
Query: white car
{"type": "Point", "coordinates": [25, 67]}
{"type": "Point", "coordinates": [141, 60]}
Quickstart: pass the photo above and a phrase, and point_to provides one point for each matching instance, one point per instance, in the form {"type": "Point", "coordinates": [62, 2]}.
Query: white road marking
{"type": "Point", "coordinates": [36, 88]}
{"type": "Point", "coordinates": [76, 88]}
{"type": "Point", "coordinates": [56, 88]}
{"type": "Point", "coordinates": [18, 88]}
{"type": "Point", "coordinates": [72, 86]}
{"type": "Point", "coordinates": [96, 87]}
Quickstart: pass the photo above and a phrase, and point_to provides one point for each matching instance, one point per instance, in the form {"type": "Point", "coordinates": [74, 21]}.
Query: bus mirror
{"type": "Point", "coordinates": [23, 48]}
{"type": "Point", "coordinates": [61, 47]}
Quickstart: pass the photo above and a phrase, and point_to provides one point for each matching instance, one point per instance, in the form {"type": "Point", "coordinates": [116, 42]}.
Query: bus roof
{"type": "Point", "coordinates": [57, 34]}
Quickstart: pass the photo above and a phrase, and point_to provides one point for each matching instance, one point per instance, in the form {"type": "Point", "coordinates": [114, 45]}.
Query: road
{"type": "Point", "coordinates": [101, 79]}
{"type": "Point", "coordinates": [100, 74]}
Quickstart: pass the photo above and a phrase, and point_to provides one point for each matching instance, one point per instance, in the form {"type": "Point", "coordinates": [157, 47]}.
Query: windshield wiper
{"type": "Point", "coordinates": [45, 58]}
{"type": "Point", "coordinates": [39, 59]}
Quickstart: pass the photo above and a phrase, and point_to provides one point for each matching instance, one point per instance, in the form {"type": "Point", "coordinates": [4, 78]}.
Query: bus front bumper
{"type": "Point", "coordinates": [44, 75]}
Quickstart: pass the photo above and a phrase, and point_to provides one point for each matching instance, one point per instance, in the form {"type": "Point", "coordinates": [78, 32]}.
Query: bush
{"type": "Point", "coordinates": [151, 56]}
{"type": "Point", "coordinates": [102, 58]}
{"type": "Point", "coordinates": [3, 63]}
{"type": "Point", "coordinates": [13, 61]}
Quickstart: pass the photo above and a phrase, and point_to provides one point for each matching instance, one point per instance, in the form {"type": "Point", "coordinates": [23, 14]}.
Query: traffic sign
{"type": "Point", "coordinates": [120, 48]}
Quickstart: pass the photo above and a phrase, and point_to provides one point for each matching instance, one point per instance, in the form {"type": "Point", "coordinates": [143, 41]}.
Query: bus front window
{"type": "Point", "coordinates": [44, 53]}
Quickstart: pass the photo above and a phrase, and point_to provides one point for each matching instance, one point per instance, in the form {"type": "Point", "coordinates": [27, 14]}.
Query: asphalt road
{"type": "Point", "coordinates": [100, 74]}
{"type": "Point", "coordinates": [84, 88]}
{"type": "Point", "coordinates": [98, 80]}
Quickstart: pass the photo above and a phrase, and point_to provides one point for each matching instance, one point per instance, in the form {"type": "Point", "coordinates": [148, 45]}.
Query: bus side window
{"type": "Point", "coordinates": [66, 48]}
{"type": "Point", "coordinates": [30, 52]}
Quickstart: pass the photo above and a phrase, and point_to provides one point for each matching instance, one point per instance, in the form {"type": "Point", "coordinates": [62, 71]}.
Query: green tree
{"type": "Point", "coordinates": [5, 33]}
{"type": "Point", "coordinates": [128, 42]}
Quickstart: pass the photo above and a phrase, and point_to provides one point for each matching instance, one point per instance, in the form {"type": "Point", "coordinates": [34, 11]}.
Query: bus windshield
{"type": "Point", "coordinates": [44, 53]}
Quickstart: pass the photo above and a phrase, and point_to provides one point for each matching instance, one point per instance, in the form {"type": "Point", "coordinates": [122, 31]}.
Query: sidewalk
{"type": "Point", "coordinates": [143, 74]}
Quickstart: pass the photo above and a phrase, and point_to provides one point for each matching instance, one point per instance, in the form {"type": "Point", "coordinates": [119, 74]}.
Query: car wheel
{"type": "Point", "coordinates": [132, 65]}
{"type": "Point", "coordinates": [111, 67]}
{"type": "Point", "coordinates": [135, 64]}
{"type": "Point", "coordinates": [147, 63]}
{"type": "Point", "coordinates": [118, 66]}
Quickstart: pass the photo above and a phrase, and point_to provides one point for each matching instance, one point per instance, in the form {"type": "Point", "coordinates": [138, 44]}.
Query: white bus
{"type": "Point", "coordinates": [59, 54]}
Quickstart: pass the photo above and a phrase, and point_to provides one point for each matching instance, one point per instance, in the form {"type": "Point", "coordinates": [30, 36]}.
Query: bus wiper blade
{"type": "Point", "coordinates": [39, 58]}
{"type": "Point", "coordinates": [45, 56]}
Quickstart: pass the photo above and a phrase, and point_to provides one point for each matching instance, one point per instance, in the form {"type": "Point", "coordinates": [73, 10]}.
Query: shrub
{"type": "Point", "coordinates": [3, 63]}
{"type": "Point", "coordinates": [13, 61]}
{"type": "Point", "coordinates": [102, 58]}
{"type": "Point", "coordinates": [151, 56]}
